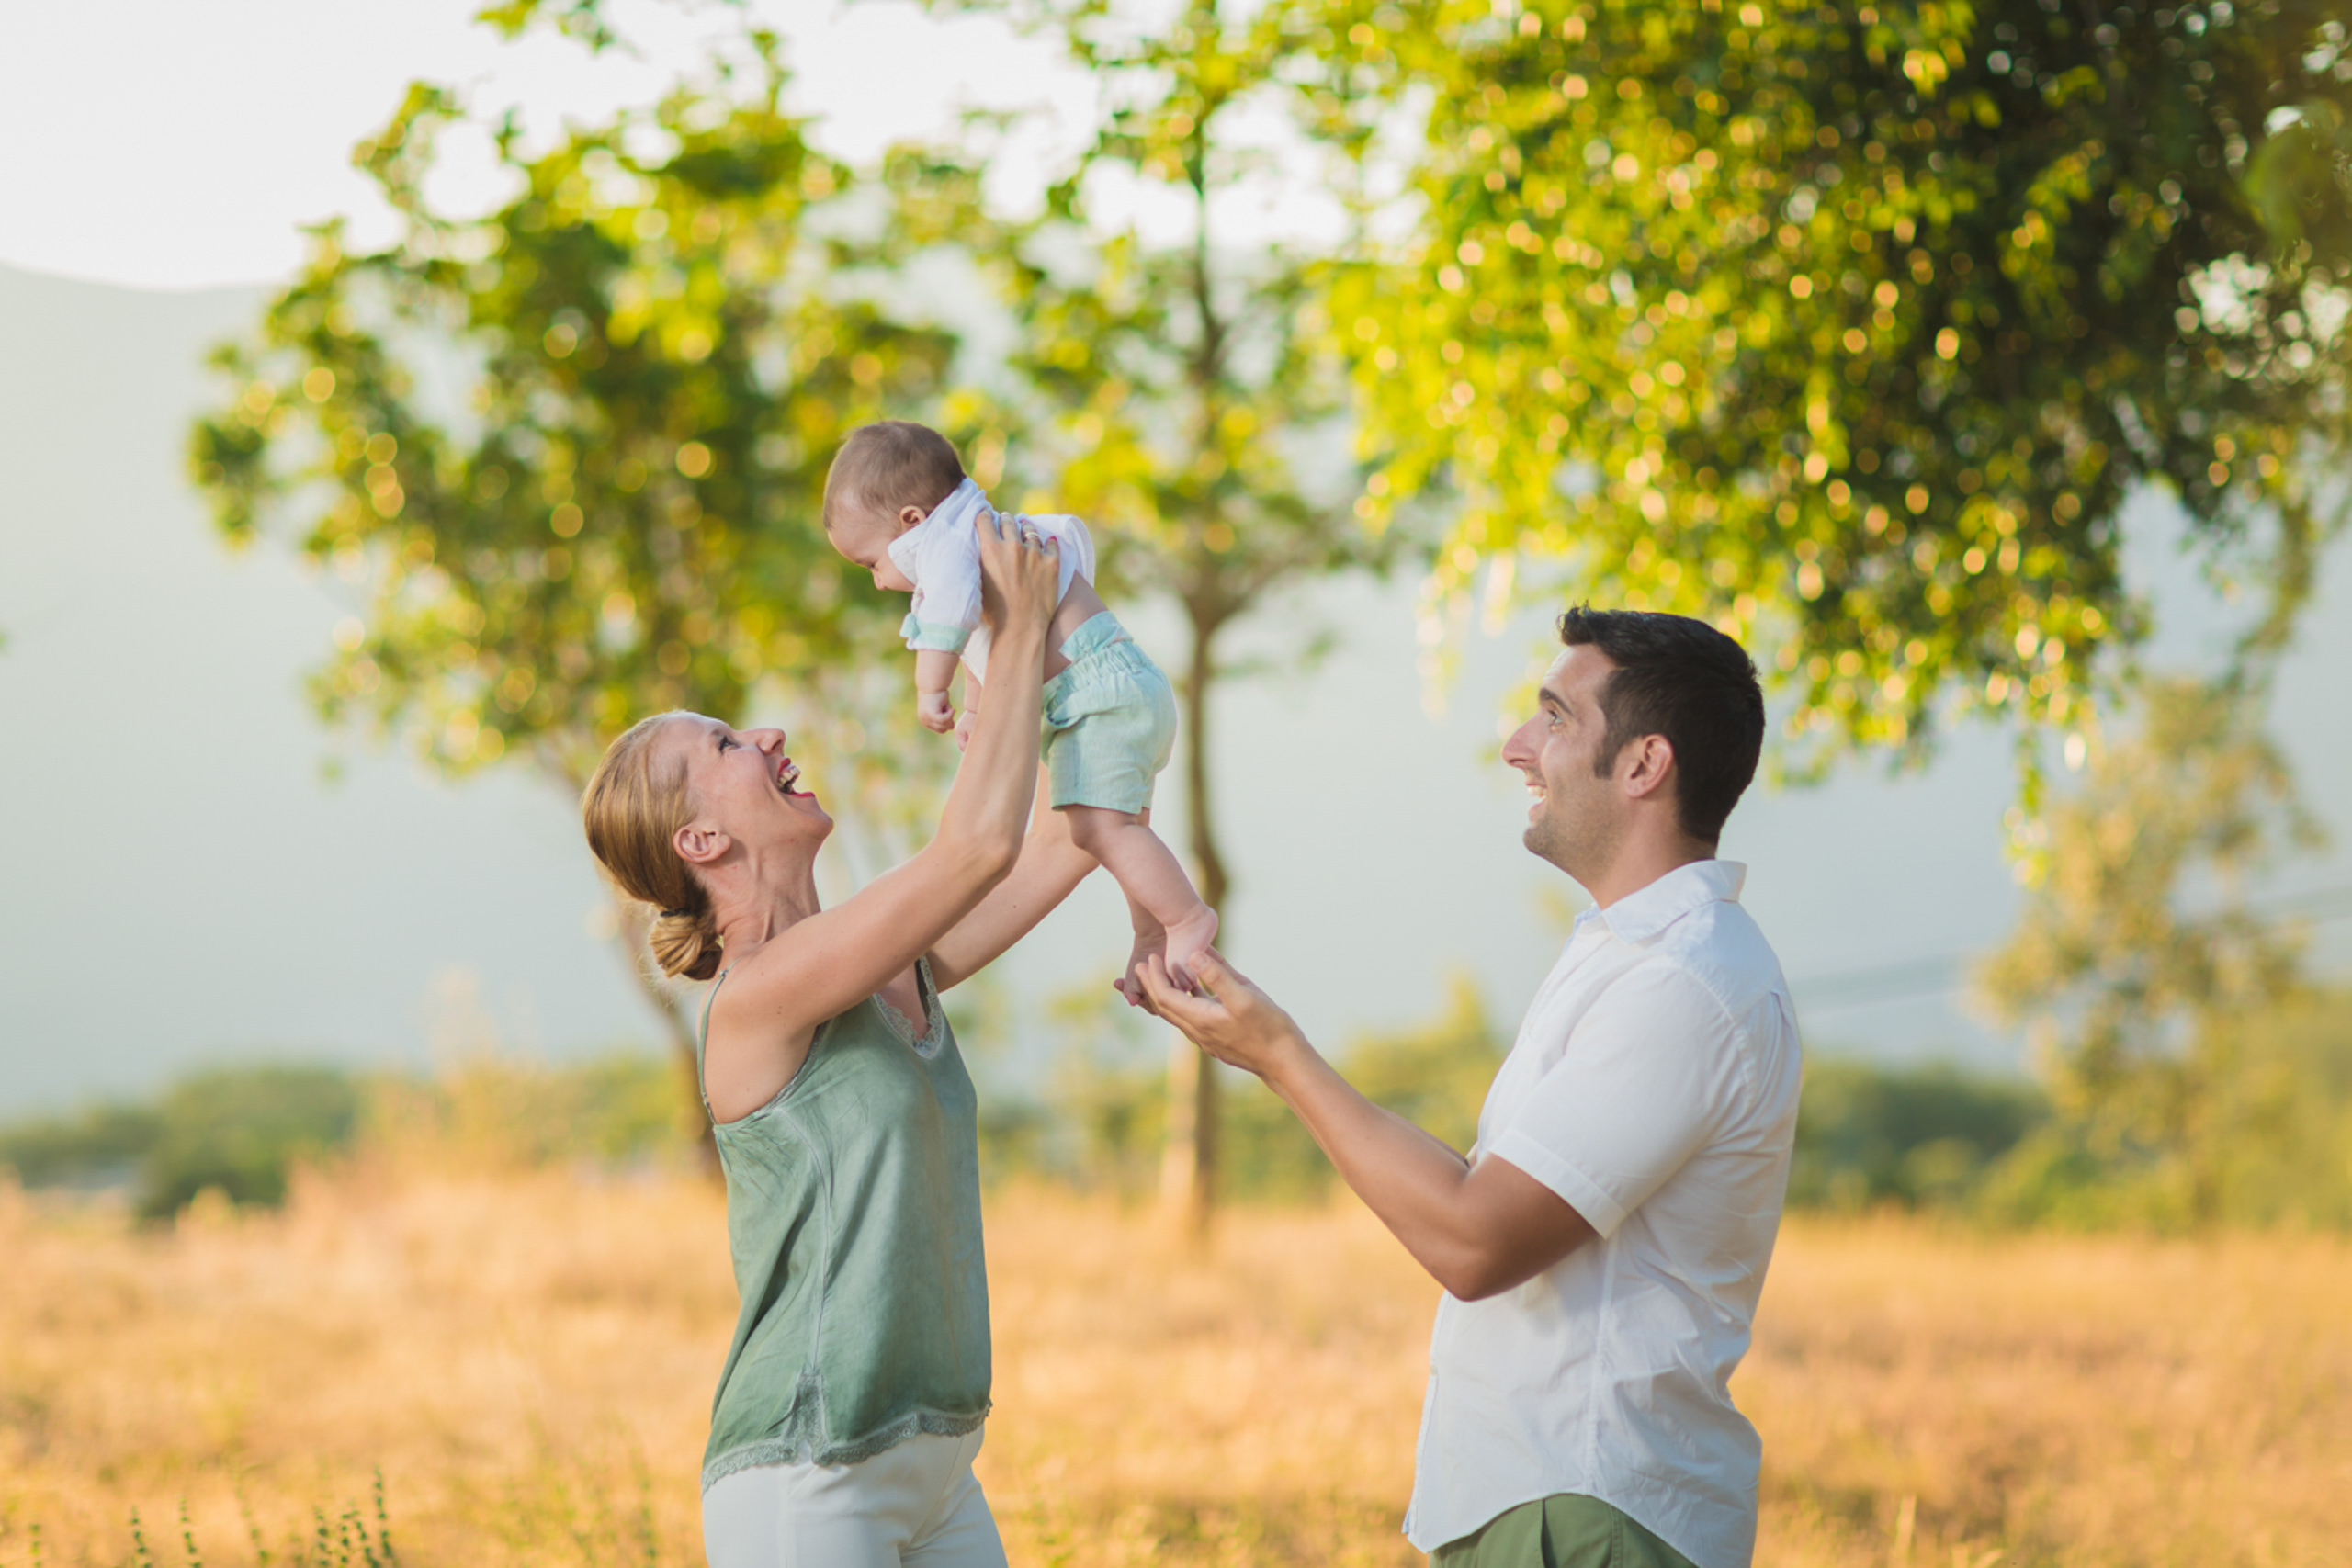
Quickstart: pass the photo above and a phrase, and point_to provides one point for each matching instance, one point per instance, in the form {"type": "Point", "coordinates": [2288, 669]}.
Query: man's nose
{"type": "Point", "coordinates": [1517, 752]}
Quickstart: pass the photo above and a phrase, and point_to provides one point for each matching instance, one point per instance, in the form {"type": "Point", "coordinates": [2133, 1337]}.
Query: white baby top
{"type": "Point", "coordinates": [1654, 1087]}
{"type": "Point", "coordinates": [941, 556]}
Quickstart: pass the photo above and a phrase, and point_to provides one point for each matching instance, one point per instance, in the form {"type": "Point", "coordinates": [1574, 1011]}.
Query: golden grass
{"type": "Point", "coordinates": [528, 1355]}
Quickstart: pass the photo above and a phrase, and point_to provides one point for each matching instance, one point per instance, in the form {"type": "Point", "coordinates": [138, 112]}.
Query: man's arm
{"type": "Point", "coordinates": [1478, 1229]}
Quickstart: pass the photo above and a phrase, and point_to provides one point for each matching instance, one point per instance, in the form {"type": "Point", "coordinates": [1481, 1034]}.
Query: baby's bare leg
{"type": "Point", "coordinates": [1152, 879]}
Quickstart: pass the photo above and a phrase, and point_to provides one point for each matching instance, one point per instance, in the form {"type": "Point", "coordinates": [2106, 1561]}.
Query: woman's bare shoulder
{"type": "Point", "coordinates": [750, 1051]}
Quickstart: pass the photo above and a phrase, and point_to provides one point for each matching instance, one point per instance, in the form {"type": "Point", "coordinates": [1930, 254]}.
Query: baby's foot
{"type": "Point", "coordinates": [1188, 938]}
{"type": "Point", "coordinates": [1151, 942]}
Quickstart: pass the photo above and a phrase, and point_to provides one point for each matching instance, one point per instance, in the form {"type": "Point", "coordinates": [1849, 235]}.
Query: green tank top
{"type": "Point", "coordinates": [854, 1215]}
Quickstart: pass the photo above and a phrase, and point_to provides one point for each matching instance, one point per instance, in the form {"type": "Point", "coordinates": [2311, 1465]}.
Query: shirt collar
{"type": "Point", "coordinates": [905, 551]}
{"type": "Point", "coordinates": [1643, 913]}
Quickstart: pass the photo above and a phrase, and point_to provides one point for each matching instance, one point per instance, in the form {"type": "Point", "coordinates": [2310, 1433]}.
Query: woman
{"type": "Point", "coordinates": [851, 1402]}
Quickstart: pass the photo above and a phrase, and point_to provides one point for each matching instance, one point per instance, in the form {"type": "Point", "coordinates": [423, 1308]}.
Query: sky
{"type": "Point", "coordinates": [213, 132]}
{"type": "Point", "coordinates": [185, 885]}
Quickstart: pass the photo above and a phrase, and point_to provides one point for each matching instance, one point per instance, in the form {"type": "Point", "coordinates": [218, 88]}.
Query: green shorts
{"type": "Point", "coordinates": [1563, 1530]}
{"type": "Point", "coordinates": [1110, 721]}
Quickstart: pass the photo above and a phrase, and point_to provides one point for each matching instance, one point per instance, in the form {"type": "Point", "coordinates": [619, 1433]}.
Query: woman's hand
{"type": "Point", "coordinates": [1019, 574]}
{"type": "Point", "coordinates": [988, 809]}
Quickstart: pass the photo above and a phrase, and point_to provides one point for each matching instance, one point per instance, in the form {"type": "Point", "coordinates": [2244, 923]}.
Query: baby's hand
{"type": "Point", "coordinates": [1150, 942]}
{"type": "Point", "coordinates": [964, 722]}
{"type": "Point", "coordinates": [938, 714]}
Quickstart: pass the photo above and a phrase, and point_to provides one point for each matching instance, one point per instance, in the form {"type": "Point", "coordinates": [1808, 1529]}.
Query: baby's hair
{"type": "Point", "coordinates": [888, 464]}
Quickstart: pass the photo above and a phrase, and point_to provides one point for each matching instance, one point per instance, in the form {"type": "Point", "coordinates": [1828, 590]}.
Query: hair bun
{"type": "Point", "coordinates": [633, 805]}
{"type": "Point", "coordinates": [685, 942]}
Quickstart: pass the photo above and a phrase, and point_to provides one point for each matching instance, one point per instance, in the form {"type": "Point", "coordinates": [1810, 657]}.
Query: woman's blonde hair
{"type": "Point", "coordinates": [632, 809]}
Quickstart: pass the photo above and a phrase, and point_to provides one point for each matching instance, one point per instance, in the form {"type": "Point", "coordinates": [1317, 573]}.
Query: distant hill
{"type": "Point", "coordinates": [181, 884]}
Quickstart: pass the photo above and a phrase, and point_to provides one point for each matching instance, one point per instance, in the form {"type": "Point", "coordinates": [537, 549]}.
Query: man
{"type": "Point", "coordinates": [1603, 1246]}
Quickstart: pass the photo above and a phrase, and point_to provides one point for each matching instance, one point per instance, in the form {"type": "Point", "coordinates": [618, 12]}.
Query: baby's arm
{"type": "Point", "coordinates": [934, 669]}
{"type": "Point", "coordinates": [945, 612]}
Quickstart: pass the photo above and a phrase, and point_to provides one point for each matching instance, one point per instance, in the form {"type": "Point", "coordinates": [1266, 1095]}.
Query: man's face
{"type": "Point", "coordinates": [1577, 816]}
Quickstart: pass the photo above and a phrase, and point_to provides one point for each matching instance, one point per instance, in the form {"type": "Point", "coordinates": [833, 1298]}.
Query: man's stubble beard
{"type": "Point", "coordinates": [1581, 851]}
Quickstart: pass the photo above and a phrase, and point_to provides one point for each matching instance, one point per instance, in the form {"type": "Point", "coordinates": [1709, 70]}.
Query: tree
{"type": "Point", "coordinates": [574, 449]}
{"type": "Point", "coordinates": [2145, 1014]}
{"type": "Point", "coordinates": [1184, 394]}
{"type": "Point", "coordinates": [1857, 324]}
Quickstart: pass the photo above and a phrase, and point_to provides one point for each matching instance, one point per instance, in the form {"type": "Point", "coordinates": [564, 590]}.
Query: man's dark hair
{"type": "Point", "coordinates": [1686, 681]}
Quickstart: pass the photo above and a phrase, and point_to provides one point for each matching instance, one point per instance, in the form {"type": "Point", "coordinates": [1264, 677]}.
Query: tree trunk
{"type": "Point", "coordinates": [675, 1026]}
{"type": "Point", "coordinates": [1188, 1166]}
{"type": "Point", "coordinates": [1188, 1161]}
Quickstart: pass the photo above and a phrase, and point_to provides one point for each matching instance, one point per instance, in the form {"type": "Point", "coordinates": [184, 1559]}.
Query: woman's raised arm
{"type": "Point", "coordinates": [821, 965]}
{"type": "Point", "coordinates": [1050, 866]}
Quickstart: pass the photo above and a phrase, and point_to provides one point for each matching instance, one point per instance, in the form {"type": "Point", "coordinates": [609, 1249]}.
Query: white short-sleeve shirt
{"type": "Point", "coordinates": [941, 556]}
{"type": "Point", "coordinates": [1654, 1087]}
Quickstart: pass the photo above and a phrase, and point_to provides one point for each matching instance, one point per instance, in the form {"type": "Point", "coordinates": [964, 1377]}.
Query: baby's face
{"type": "Point", "coordinates": [864, 537]}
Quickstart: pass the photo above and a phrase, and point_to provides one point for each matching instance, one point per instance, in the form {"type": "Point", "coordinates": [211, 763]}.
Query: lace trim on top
{"type": "Point", "coordinates": [934, 1035]}
{"type": "Point", "coordinates": [803, 1450]}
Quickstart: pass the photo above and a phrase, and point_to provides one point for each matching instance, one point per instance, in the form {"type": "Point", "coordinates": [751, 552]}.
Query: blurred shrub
{"type": "Point", "coordinates": [1100, 1120]}
{"type": "Point", "coordinates": [1912, 1136]}
{"type": "Point", "coordinates": [99, 1147]}
{"type": "Point", "coordinates": [2274, 1132]}
{"type": "Point", "coordinates": [1434, 1074]}
{"type": "Point", "coordinates": [2273, 1138]}
{"type": "Point", "coordinates": [2290, 1159]}
{"type": "Point", "coordinates": [241, 1129]}
{"type": "Point", "coordinates": [1928, 1137]}
{"type": "Point", "coordinates": [237, 1129]}
{"type": "Point", "coordinates": [617, 1109]}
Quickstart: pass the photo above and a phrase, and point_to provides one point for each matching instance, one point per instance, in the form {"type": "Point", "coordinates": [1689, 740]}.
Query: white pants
{"type": "Point", "coordinates": [916, 1505]}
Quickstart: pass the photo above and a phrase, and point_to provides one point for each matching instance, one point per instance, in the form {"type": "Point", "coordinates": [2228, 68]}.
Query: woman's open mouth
{"type": "Point", "coordinates": [787, 773]}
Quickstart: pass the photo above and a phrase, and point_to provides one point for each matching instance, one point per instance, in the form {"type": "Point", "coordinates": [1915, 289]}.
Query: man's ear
{"type": "Point", "coordinates": [699, 843]}
{"type": "Point", "coordinates": [1644, 764]}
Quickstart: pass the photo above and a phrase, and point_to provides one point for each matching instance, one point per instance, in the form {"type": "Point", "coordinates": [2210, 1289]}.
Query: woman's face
{"type": "Point", "coordinates": [741, 782]}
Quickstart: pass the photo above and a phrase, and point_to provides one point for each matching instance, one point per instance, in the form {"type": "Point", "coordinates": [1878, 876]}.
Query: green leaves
{"type": "Point", "coordinates": [1177, 384]}
{"type": "Point", "coordinates": [1850, 329]}
{"type": "Point", "coordinates": [2300, 178]}
{"type": "Point", "coordinates": [2138, 1006]}
{"type": "Point", "coordinates": [574, 450]}
{"type": "Point", "coordinates": [1851, 326]}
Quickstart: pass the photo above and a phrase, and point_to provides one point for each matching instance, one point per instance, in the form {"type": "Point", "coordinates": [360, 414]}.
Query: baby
{"type": "Point", "coordinates": [898, 503]}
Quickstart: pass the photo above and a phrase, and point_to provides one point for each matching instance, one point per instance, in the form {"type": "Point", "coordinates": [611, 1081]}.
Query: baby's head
{"type": "Point", "coordinates": [885, 480]}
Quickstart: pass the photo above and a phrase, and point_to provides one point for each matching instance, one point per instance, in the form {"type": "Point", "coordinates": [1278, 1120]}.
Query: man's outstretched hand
{"type": "Point", "coordinates": [1226, 1014]}
{"type": "Point", "coordinates": [1479, 1230]}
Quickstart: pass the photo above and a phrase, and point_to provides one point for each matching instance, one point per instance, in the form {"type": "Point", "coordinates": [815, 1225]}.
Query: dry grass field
{"type": "Point", "coordinates": [526, 1357]}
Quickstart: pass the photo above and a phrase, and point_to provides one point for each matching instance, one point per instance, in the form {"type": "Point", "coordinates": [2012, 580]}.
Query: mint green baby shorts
{"type": "Point", "coordinates": [1110, 721]}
